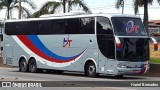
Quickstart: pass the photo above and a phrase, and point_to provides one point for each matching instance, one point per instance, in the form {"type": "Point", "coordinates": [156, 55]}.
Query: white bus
{"type": "Point", "coordinates": [90, 43]}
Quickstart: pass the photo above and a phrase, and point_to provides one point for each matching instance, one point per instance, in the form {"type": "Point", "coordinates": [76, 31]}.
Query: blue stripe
{"type": "Point", "coordinates": [37, 42]}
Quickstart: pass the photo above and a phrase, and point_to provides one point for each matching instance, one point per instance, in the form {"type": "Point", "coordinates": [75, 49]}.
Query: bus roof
{"type": "Point", "coordinates": [72, 15]}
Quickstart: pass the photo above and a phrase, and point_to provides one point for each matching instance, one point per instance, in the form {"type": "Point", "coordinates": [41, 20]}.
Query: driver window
{"type": "Point", "coordinates": [104, 26]}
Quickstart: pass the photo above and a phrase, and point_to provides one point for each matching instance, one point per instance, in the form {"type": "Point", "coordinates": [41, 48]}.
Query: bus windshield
{"type": "Point", "coordinates": [126, 26]}
{"type": "Point", "coordinates": [133, 49]}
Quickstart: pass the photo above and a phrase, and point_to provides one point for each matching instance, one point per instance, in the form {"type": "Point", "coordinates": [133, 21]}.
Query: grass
{"type": "Point", "coordinates": [155, 60]}
{"type": "Point", "coordinates": [154, 54]}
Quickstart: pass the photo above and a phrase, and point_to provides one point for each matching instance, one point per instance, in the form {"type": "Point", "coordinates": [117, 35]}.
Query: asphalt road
{"type": "Point", "coordinates": [75, 81]}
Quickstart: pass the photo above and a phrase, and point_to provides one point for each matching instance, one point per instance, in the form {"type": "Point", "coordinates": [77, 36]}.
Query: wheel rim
{"type": "Point", "coordinates": [91, 69]}
{"type": "Point", "coordinates": [32, 67]}
{"type": "Point", "coordinates": [23, 66]}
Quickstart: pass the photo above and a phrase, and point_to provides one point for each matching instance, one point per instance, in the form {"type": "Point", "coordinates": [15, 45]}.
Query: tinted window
{"type": "Point", "coordinates": [134, 49]}
{"type": "Point", "coordinates": [87, 25]}
{"type": "Point", "coordinates": [125, 26]}
{"type": "Point", "coordinates": [32, 27]}
{"type": "Point", "coordinates": [80, 26]}
{"type": "Point", "coordinates": [42, 27]}
{"type": "Point", "coordinates": [9, 28]}
{"type": "Point", "coordinates": [104, 26]}
{"type": "Point", "coordinates": [58, 26]}
{"type": "Point", "coordinates": [73, 26]}
{"type": "Point", "coordinates": [105, 37]}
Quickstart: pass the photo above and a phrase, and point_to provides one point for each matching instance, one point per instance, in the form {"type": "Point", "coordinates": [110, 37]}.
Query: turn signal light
{"type": "Point", "coordinates": [118, 45]}
{"type": "Point", "coordinates": [155, 46]}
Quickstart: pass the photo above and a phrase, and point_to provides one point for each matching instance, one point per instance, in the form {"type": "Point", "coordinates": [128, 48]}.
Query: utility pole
{"type": "Point", "coordinates": [122, 5]}
{"type": "Point", "coordinates": [64, 6]}
{"type": "Point", "coordinates": [20, 9]}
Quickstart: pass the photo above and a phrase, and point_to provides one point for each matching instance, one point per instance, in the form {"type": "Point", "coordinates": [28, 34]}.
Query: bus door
{"type": "Point", "coordinates": [105, 40]}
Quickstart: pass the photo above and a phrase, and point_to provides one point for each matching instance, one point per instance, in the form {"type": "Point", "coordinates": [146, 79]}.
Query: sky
{"type": "Point", "coordinates": [107, 6]}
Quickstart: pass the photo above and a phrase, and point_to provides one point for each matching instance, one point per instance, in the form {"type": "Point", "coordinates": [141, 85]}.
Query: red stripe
{"type": "Point", "coordinates": [144, 68]}
{"type": "Point", "coordinates": [24, 39]}
{"type": "Point", "coordinates": [143, 71]}
{"type": "Point", "coordinates": [66, 44]}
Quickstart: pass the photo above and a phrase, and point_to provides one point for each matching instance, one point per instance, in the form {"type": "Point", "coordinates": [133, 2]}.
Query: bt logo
{"type": "Point", "coordinates": [66, 42]}
{"type": "Point", "coordinates": [130, 27]}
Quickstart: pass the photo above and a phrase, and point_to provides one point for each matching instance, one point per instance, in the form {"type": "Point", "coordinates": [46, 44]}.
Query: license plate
{"type": "Point", "coordinates": [135, 71]}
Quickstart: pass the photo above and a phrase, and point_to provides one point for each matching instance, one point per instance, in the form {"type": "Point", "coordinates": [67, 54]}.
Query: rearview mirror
{"type": "Point", "coordinates": [155, 43]}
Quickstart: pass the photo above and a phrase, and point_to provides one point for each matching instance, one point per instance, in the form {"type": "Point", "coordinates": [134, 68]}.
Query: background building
{"type": "Point", "coordinates": [154, 29]}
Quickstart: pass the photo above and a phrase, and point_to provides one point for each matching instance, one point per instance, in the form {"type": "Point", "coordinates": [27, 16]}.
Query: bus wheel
{"type": "Point", "coordinates": [23, 66]}
{"type": "Point", "coordinates": [32, 66]}
{"type": "Point", "coordinates": [91, 70]}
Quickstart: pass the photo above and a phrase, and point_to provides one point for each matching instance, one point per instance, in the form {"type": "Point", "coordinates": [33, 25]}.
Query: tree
{"type": "Point", "coordinates": [120, 3]}
{"type": "Point", "coordinates": [137, 4]}
{"type": "Point", "coordinates": [50, 7]}
{"type": "Point", "coordinates": [144, 3]}
{"type": "Point", "coordinates": [1, 5]}
{"type": "Point", "coordinates": [11, 5]}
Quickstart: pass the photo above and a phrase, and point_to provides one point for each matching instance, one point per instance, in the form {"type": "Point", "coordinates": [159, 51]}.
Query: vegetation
{"type": "Point", "coordinates": [120, 3]}
{"type": "Point", "coordinates": [137, 4]}
{"type": "Point", "coordinates": [50, 7]}
{"type": "Point", "coordinates": [10, 5]}
{"type": "Point", "coordinates": [155, 60]}
{"type": "Point", "coordinates": [155, 55]}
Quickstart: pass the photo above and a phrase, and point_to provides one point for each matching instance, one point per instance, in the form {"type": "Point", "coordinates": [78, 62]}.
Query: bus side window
{"type": "Point", "coordinates": [58, 26]}
{"type": "Point", "coordinates": [13, 28]}
{"type": "Point", "coordinates": [7, 29]}
{"type": "Point", "coordinates": [44, 27]}
{"type": "Point", "coordinates": [80, 26]}
{"type": "Point", "coordinates": [87, 25]}
{"type": "Point", "coordinates": [34, 30]}
{"type": "Point", "coordinates": [18, 28]}
{"type": "Point", "coordinates": [72, 26]}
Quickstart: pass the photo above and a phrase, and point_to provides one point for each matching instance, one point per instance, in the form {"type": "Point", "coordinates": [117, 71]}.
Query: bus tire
{"type": "Point", "coordinates": [91, 70]}
{"type": "Point", "coordinates": [32, 66]}
{"type": "Point", "coordinates": [23, 66]}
